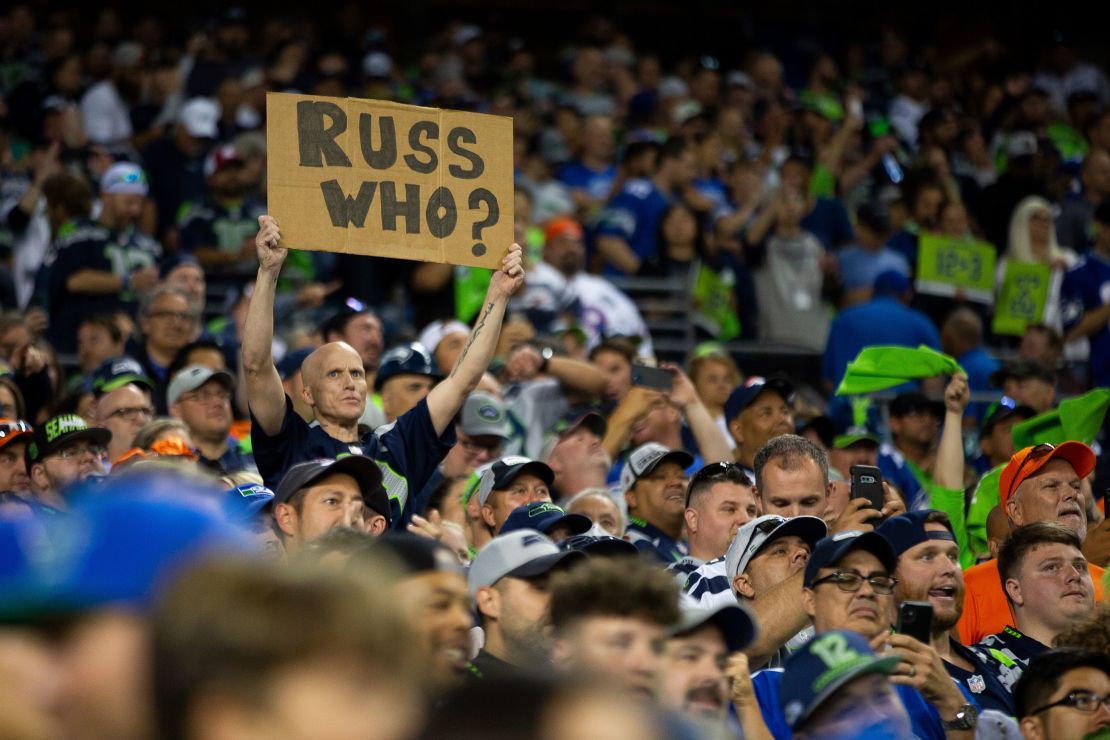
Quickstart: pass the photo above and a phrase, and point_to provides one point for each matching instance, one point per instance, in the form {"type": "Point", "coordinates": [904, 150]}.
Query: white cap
{"type": "Point", "coordinates": [200, 117]}
{"type": "Point", "coordinates": [377, 64]}
{"type": "Point", "coordinates": [435, 332]}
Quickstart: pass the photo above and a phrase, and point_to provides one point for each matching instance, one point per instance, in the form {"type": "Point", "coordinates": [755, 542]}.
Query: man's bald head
{"type": "Point", "coordinates": [334, 383]}
{"type": "Point", "coordinates": [313, 365]}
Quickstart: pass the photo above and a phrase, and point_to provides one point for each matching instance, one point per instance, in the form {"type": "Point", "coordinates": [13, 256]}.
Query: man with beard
{"type": "Point", "coordinates": [63, 451]}
{"type": "Point", "coordinates": [929, 571]}
{"type": "Point", "coordinates": [219, 231]}
{"type": "Point", "coordinates": [848, 585]}
{"type": "Point", "coordinates": [1049, 588]}
{"type": "Point", "coordinates": [508, 582]}
{"type": "Point", "coordinates": [694, 682]}
{"type": "Point", "coordinates": [1039, 484]}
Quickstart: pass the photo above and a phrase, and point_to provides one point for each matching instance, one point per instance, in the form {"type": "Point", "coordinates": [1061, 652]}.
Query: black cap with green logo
{"type": "Point", "coordinates": [60, 431]}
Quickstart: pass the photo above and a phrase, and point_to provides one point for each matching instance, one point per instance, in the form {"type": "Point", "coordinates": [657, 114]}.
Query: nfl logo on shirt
{"type": "Point", "coordinates": [976, 684]}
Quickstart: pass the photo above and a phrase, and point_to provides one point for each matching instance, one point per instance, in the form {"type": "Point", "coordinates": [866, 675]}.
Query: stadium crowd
{"type": "Point", "coordinates": [256, 492]}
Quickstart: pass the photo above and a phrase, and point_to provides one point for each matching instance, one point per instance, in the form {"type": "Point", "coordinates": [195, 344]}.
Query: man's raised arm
{"type": "Point", "coordinates": [265, 394]}
{"type": "Point", "coordinates": [447, 398]}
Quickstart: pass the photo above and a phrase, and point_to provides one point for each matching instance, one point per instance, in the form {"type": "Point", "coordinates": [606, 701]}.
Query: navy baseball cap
{"type": "Point", "coordinates": [116, 373]}
{"type": "Point", "coordinates": [913, 401]}
{"type": "Point", "coordinates": [290, 363]}
{"type": "Point", "coordinates": [891, 282]}
{"type": "Point", "coordinates": [819, 668]}
{"type": "Point", "coordinates": [907, 530]}
{"type": "Point", "coordinates": [1003, 409]}
{"type": "Point", "coordinates": [737, 625]}
{"type": "Point", "coordinates": [415, 554]}
{"type": "Point", "coordinates": [545, 516]}
{"type": "Point", "coordinates": [744, 394]}
{"type": "Point", "coordinates": [360, 467]}
{"type": "Point", "coordinates": [245, 502]}
{"type": "Point", "coordinates": [599, 545]}
{"type": "Point", "coordinates": [831, 550]}
{"type": "Point", "coordinates": [406, 359]}
{"type": "Point", "coordinates": [497, 475]}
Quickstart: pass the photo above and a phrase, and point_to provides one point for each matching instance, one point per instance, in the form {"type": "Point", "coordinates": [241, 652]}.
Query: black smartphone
{"type": "Point", "coordinates": [867, 482]}
{"type": "Point", "coordinates": [652, 377]}
{"type": "Point", "coordinates": [915, 618]}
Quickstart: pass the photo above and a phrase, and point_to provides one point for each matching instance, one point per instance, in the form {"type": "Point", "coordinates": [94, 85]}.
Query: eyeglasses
{"type": "Point", "coordinates": [713, 472]}
{"type": "Point", "coordinates": [9, 428]}
{"type": "Point", "coordinates": [1084, 701]}
{"type": "Point", "coordinates": [848, 581]}
{"type": "Point", "coordinates": [1041, 450]}
{"type": "Point", "coordinates": [185, 316]}
{"type": "Point", "coordinates": [132, 413]}
{"type": "Point", "coordinates": [74, 451]}
{"type": "Point", "coordinates": [208, 394]}
{"type": "Point", "coordinates": [473, 446]}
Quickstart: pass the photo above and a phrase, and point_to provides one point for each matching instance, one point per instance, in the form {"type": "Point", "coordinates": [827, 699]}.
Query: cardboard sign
{"type": "Point", "coordinates": [1022, 299]}
{"type": "Point", "coordinates": [956, 268]}
{"type": "Point", "coordinates": [379, 178]}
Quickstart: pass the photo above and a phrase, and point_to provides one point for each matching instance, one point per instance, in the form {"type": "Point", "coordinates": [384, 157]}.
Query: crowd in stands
{"type": "Point", "coordinates": [250, 491]}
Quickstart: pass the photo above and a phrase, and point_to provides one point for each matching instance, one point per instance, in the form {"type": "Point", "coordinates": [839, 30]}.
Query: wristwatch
{"type": "Point", "coordinates": [546, 354]}
{"type": "Point", "coordinates": [965, 719]}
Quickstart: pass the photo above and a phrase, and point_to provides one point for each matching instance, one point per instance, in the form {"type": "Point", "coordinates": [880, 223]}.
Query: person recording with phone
{"type": "Point", "coordinates": [930, 581]}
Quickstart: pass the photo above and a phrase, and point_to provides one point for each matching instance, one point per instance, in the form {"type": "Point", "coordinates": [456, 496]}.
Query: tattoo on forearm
{"type": "Point", "coordinates": [473, 335]}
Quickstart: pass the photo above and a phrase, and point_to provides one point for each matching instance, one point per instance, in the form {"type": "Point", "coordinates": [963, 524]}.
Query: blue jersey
{"type": "Point", "coordinates": [597, 184]}
{"type": "Point", "coordinates": [924, 719]}
{"type": "Point", "coordinates": [407, 451]}
{"type": "Point", "coordinates": [90, 245]}
{"type": "Point", "coordinates": [651, 540]}
{"type": "Point", "coordinates": [882, 320]}
{"type": "Point", "coordinates": [634, 216]}
{"type": "Point", "coordinates": [210, 224]}
{"type": "Point", "coordinates": [1086, 287]}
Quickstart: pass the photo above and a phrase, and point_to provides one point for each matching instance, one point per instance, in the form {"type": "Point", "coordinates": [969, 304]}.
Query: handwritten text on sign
{"type": "Point", "coordinates": [380, 178]}
{"type": "Point", "coordinates": [955, 267]}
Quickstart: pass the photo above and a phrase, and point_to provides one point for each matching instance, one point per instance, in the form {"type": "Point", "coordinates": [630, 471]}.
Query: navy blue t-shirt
{"type": "Point", "coordinates": [595, 183]}
{"type": "Point", "coordinates": [1086, 287]}
{"type": "Point", "coordinates": [829, 222]}
{"type": "Point", "coordinates": [407, 451]}
{"type": "Point", "coordinates": [634, 216]}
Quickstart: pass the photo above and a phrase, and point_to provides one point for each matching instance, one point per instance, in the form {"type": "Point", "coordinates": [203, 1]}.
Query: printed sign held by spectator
{"type": "Point", "coordinates": [956, 268]}
{"type": "Point", "coordinates": [380, 178]}
{"type": "Point", "coordinates": [1022, 297]}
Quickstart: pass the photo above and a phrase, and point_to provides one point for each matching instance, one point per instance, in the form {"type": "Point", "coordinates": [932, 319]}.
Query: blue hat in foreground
{"type": "Point", "coordinates": [244, 503]}
{"type": "Point", "coordinates": [820, 667]}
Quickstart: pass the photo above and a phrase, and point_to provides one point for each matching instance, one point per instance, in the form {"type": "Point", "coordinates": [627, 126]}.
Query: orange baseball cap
{"type": "Point", "coordinates": [1028, 461]}
{"type": "Point", "coordinates": [559, 226]}
{"type": "Point", "coordinates": [13, 429]}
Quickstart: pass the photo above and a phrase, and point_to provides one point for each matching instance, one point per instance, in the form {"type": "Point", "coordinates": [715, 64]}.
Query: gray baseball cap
{"type": "Point", "coordinates": [192, 377]}
{"type": "Point", "coordinates": [736, 623]}
{"type": "Point", "coordinates": [646, 458]}
{"type": "Point", "coordinates": [753, 536]}
{"type": "Point", "coordinates": [484, 415]}
{"type": "Point", "coordinates": [524, 553]}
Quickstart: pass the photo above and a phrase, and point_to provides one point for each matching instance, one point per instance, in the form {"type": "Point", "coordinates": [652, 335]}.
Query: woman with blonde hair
{"type": "Point", "coordinates": [1033, 239]}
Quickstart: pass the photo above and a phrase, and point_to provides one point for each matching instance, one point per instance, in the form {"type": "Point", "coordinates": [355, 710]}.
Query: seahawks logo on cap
{"type": "Point", "coordinates": [489, 413]}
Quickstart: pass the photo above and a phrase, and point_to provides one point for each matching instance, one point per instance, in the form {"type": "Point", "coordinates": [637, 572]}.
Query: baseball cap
{"type": "Point", "coordinates": [737, 625]}
{"type": "Point", "coordinates": [360, 467]}
{"type": "Point", "coordinates": [822, 426]}
{"type": "Point", "coordinates": [816, 670]}
{"type": "Point", "coordinates": [855, 435]}
{"type": "Point", "coordinates": [592, 420]}
{"type": "Point", "coordinates": [560, 226]}
{"type": "Point", "coordinates": [482, 415]}
{"type": "Point", "coordinates": [290, 363]}
{"type": "Point", "coordinates": [830, 550]}
{"type": "Point", "coordinates": [913, 401]}
{"type": "Point", "coordinates": [59, 431]}
{"type": "Point", "coordinates": [200, 117]}
{"type": "Point", "coordinates": [406, 359]}
{"type": "Point", "coordinates": [745, 394]}
{"type": "Point", "coordinates": [124, 178]}
{"type": "Point", "coordinates": [337, 322]}
{"type": "Point", "coordinates": [1021, 144]}
{"type": "Point", "coordinates": [1027, 461]}
{"type": "Point", "coordinates": [599, 545]}
{"type": "Point", "coordinates": [13, 429]}
{"type": "Point", "coordinates": [435, 332]}
{"type": "Point", "coordinates": [545, 516]}
{"type": "Point", "coordinates": [501, 472]}
{"type": "Point", "coordinates": [194, 376]}
{"type": "Point", "coordinates": [754, 535]}
{"type": "Point", "coordinates": [1003, 409]}
{"type": "Point", "coordinates": [646, 458]}
{"type": "Point", "coordinates": [1021, 369]}
{"type": "Point", "coordinates": [891, 282]}
{"type": "Point", "coordinates": [116, 373]}
{"type": "Point", "coordinates": [524, 553]}
{"type": "Point", "coordinates": [171, 263]}
{"type": "Point", "coordinates": [907, 530]}
{"type": "Point", "coordinates": [244, 502]}
{"type": "Point", "coordinates": [415, 554]}
{"type": "Point", "coordinates": [220, 157]}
